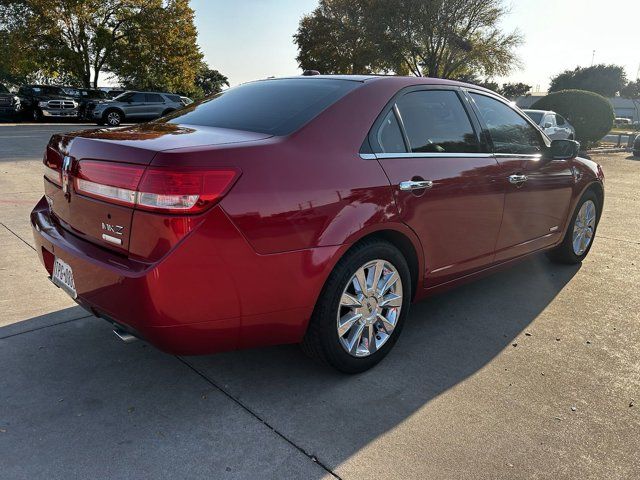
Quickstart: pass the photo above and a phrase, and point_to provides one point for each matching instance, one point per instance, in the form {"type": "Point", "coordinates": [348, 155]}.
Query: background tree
{"type": "Point", "coordinates": [335, 38]}
{"type": "Point", "coordinates": [439, 38]}
{"type": "Point", "coordinates": [73, 39]}
{"type": "Point", "coordinates": [631, 90]}
{"type": "Point", "coordinates": [515, 90]}
{"type": "Point", "coordinates": [159, 50]}
{"type": "Point", "coordinates": [209, 81]}
{"type": "Point", "coordinates": [606, 80]}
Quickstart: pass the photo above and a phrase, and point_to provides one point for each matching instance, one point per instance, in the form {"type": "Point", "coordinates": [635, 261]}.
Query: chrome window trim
{"type": "Point", "coordinates": [381, 156]}
{"type": "Point", "coordinates": [534, 156]}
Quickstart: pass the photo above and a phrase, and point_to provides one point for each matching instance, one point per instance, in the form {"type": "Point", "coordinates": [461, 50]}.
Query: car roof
{"type": "Point", "coordinates": [400, 80]}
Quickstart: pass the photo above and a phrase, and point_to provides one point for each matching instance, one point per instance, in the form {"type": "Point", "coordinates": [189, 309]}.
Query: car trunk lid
{"type": "Point", "coordinates": [92, 177]}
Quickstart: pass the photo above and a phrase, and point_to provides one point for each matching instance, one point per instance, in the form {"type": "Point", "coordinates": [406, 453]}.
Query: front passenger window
{"type": "Point", "coordinates": [510, 132]}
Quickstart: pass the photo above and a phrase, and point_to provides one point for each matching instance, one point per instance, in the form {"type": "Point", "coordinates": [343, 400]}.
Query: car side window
{"type": "Point", "coordinates": [435, 121]}
{"type": "Point", "coordinates": [389, 135]}
{"type": "Point", "coordinates": [138, 97]}
{"type": "Point", "coordinates": [560, 120]}
{"type": "Point", "coordinates": [510, 132]}
{"type": "Point", "coordinates": [154, 98]}
{"type": "Point", "coordinates": [550, 119]}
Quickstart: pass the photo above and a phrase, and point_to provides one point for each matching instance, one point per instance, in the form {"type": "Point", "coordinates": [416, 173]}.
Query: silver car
{"type": "Point", "coordinates": [133, 106]}
{"type": "Point", "coordinates": [554, 125]}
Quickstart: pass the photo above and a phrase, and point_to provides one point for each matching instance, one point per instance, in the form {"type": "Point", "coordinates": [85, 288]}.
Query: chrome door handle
{"type": "Point", "coordinates": [518, 179]}
{"type": "Point", "coordinates": [415, 185]}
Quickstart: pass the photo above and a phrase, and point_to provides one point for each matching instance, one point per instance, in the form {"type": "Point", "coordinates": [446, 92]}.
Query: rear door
{"type": "Point", "coordinates": [446, 182]}
{"type": "Point", "coordinates": [155, 105]}
{"type": "Point", "coordinates": [538, 190]}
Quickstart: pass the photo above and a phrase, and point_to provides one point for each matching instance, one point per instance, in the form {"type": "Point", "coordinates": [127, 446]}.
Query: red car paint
{"type": "Point", "coordinates": [248, 271]}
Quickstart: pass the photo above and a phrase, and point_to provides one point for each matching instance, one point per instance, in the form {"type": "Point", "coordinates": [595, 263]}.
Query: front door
{"type": "Point", "coordinates": [447, 184]}
{"type": "Point", "coordinates": [135, 106]}
{"type": "Point", "coordinates": [537, 190]}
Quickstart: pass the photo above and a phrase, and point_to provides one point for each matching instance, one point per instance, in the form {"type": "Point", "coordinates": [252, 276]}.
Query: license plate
{"type": "Point", "coordinates": [62, 276]}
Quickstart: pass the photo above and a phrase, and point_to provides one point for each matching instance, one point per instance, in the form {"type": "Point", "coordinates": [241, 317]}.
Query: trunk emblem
{"type": "Point", "coordinates": [66, 168]}
{"type": "Point", "coordinates": [117, 229]}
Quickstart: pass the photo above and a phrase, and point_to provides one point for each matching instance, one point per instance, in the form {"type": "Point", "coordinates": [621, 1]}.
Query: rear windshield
{"type": "Point", "coordinates": [535, 116]}
{"type": "Point", "coordinates": [275, 107]}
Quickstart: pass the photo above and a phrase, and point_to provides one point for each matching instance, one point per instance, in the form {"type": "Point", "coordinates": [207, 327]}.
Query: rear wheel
{"type": "Point", "coordinates": [361, 310]}
{"type": "Point", "coordinates": [113, 118]}
{"type": "Point", "coordinates": [579, 237]}
{"type": "Point", "coordinates": [167, 111]}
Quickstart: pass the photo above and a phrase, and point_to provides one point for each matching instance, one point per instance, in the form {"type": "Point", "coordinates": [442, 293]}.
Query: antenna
{"type": "Point", "coordinates": [593, 56]}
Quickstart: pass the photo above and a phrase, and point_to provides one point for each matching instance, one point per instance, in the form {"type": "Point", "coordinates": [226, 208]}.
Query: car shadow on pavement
{"type": "Point", "coordinates": [447, 338]}
{"type": "Point", "coordinates": [72, 395]}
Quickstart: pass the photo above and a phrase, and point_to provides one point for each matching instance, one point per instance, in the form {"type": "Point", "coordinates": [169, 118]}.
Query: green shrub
{"type": "Point", "coordinates": [591, 114]}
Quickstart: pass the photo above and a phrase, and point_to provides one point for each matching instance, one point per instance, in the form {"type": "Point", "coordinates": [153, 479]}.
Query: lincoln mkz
{"type": "Point", "coordinates": [309, 210]}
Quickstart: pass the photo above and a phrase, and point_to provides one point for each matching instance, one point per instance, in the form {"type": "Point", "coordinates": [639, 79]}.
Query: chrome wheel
{"type": "Point", "coordinates": [113, 119]}
{"type": "Point", "coordinates": [584, 227]}
{"type": "Point", "coordinates": [369, 308]}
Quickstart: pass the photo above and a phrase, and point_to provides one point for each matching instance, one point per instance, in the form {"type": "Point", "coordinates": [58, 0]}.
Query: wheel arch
{"type": "Point", "coordinates": [113, 109]}
{"type": "Point", "coordinates": [597, 188]}
{"type": "Point", "coordinates": [405, 241]}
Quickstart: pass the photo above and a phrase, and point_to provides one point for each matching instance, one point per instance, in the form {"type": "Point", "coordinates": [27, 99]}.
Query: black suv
{"type": "Point", "coordinates": [10, 105]}
{"type": "Point", "coordinates": [45, 101]}
{"type": "Point", "coordinates": [86, 98]}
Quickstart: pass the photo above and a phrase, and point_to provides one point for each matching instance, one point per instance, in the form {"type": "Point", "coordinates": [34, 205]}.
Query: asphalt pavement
{"type": "Point", "coordinates": [531, 373]}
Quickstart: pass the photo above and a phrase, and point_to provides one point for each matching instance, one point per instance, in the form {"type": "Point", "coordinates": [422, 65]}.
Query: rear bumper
{"type": "Point", "coordinates": [211, 293]}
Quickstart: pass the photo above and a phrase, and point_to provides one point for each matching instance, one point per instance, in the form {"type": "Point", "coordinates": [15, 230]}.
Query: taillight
{"type": "Point", "coordinates": [114, 182]}
{"type": "Point", "coordinates": [183, 190]}
{"type": "Point", "coordinates": [52, 167]}
{"type": "Point", "coordinates": [167, 190]}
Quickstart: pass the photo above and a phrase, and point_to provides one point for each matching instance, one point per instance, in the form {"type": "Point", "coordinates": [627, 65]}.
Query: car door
{"type": "Point", "coordinates": [563, 127]}
{"type": "Point", "coordinates": [446, 182]}
{"type": "Point", "coordinates": [136, 106]}
{"type": "Point", "coordinates": [155, 105]}
{"type": "Point", "coordinates": [537, 189]}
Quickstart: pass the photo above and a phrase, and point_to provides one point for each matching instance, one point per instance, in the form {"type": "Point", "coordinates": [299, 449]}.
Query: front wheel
{"type": "Point", "coordinates": [113, 118]}
{"type": "Point", "coordinates": [361, 310]}
{"type": "Point", "coordinates": [579, 237]}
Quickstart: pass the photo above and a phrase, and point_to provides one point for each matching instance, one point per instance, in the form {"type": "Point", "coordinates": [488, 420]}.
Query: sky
{"type": "Point", "coordinates": [252, 39]}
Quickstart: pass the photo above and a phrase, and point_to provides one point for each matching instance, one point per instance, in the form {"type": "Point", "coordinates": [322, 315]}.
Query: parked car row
{"type": "Point", "coordinates": [39, 102]}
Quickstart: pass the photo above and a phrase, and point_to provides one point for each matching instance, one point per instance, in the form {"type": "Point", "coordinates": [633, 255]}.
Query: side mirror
{"type": "Point", "coordinates": [547, 125]}
{"type": "Point", "coordinates": [564, 149]}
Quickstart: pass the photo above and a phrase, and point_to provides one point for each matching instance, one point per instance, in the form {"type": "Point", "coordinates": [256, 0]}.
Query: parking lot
{"type": "Point", "coordinates": [530, 373]}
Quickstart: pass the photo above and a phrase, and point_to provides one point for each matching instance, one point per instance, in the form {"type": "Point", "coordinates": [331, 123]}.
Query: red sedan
{"type": "Point", "coordinates": [308, 210]}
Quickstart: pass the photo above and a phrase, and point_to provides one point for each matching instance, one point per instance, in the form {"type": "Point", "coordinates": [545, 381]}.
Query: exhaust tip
{"type": "Point", "coordinates": [126, 337]}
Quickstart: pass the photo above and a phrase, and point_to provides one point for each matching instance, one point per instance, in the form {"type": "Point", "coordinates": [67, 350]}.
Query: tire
{"type": "Point", "coordinates": [636, 153]}
{"type": "Point", "coordinates": [568, 252]}
{"type": "Point", "coordinates": [322, 340]}
{"type": "Point", "coordinates": [112, 118]}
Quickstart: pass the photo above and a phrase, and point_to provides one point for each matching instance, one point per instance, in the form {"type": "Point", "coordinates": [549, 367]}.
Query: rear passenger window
{"type": "Point", "coordinates": [510, 132]}
{"type": "Point", "coordinates": [390, 136]}
{"type": "Point", "coordinates": [560, 120]}
{"type": "Point", "coordinates": [436, 122]}
{"type": "Point", "coordinates": [154, 98]}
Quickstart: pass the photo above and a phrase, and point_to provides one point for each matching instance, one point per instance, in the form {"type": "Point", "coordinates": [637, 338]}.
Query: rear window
{"type": "Point", "coordinates": [275, 107]}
